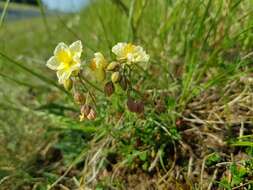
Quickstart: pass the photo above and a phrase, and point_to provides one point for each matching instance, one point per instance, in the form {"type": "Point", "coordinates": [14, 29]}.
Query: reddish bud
{"type": "Point", "coordinates": [131, 105]}
{"type": "Point", "coordinates": [140, 107]}
{"type": "Point", "coordinates": [135, 106]}
{"type": "Point", "coordinates": [91, 115]}
{"type": "Point", "coordinates": [109, 88]}
{"type": "Point", "coordinates": [79, 98]}
{"type": "Point", "coordinates": [85, 110]}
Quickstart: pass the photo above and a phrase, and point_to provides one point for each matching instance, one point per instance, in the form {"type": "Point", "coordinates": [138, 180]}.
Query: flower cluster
{"type": "Point", "coordinates": [66, 61]}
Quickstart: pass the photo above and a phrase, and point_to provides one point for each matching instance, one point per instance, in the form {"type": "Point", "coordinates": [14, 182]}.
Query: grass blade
{"type": "Point", "coordinates": [43, 14]}
{"type": "Point", "coordinates": [37, 75]}
{"type": "Point", "coordinates": [4, 12]}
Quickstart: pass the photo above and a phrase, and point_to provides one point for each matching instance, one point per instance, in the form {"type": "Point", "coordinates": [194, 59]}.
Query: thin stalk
{"type": "Point", "coordinates": [43, 14]}
{"type": "Point", "coordinates": [4, 12]}
{"type": "Point", "coordinates": [105, 31]}
{"type": "Point", "coordinates": [90, 94]}
{"type": "Point", "coordinates": [91, 84]}
{"type": "Point", "coordinates": [70, 30]}
{"type": "Point", "coordinates": [122, 6]}
{"type": "Point", "coordinates": [37, 75]}
{"type": "Point", "coordinates": [131, 29]}
{"type": "Point", "coordinates": [17, 81]}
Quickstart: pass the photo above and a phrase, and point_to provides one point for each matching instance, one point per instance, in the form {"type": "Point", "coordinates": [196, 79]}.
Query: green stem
{"type": "Point", "coordinates": [90, 93]}
{"type": "Point", "coordinates": [4, 12]}
{"type": "Point", "coordinates": [91, 84]}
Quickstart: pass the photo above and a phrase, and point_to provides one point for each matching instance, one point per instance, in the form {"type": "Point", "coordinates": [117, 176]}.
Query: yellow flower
{"type": "Point", "coordinates": [130, 53]}
{"type": "Point", "coordinates": [66, 60]}
{"type": "Point", "coordinates": [98, 65]}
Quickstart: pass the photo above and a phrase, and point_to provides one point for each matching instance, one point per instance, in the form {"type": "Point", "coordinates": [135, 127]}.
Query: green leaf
{"type": "Point", "coordinates": [143, 156]}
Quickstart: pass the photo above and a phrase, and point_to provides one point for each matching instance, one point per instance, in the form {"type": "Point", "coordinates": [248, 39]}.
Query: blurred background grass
{"type": "Point", "coordinates": [195, 46]}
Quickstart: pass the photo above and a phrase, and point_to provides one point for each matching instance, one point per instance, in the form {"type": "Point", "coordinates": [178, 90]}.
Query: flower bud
{"type": "Point", "coordinates": [75, 73]}
{"type": "Point", "coordinates": [100, 75]}
{"type": "Point", "coordinates": [140, 107]}
{"type": "Point", "coordinates": [109, 88]}
{"type": "Point", "coordinates": [85, 110]}
{"type": "Point", "coordinates": [68, 84]}
{"type": "Point", "coordinates": [112, 66]}
{"type": "Point", "coordinates": [79, 98]}
{"type": "Point", "coordinates": [115, 77]}
{"type": "Point", "coordinates": [87, 113]}
{"type": "Point", "coordinates": [91, 115]}
{"type": "Point", "coordinates": [135, 106]}
{"type": "Point", "coordinates": [132, 107]}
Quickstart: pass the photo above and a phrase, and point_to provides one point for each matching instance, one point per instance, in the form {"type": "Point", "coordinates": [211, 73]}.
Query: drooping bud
{"type": "Point", "coordinates": [68, 84]}
{"type": "Point", "coordinates": [109, 88]}
{"type": "Point", "coordinates": [79, 98]}
{"type": "Point", "coordinates": [112, 66]}
{"type": "Point", "coordinates": [140, 107]}
{"type": "Point", "coordinates": [75, 73]}
{"type": "Point", "coordinates": [115, 77]}
{"type": "Point", "coordinates": [91, 115]}
{"type": "Point", "coordinates": [135, 106]}
{"type": "Point", "coordinates": [131, 105]}
{"type": "Point", "coordinates": [85, 110]}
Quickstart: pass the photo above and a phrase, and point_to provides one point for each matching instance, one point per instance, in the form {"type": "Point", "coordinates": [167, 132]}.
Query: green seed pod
{"type": "Point", "coordinates": [68, 84]}
{"type": "Point", "coordinates": [115, 77]}
{"type": "Point", "coordinates": [112, 66]}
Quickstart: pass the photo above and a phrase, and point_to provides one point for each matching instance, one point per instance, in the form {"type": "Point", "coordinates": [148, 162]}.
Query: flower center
{"type": "Point", "coordinates": [69, 63]}
{"type": "Point", "coordinates": [66, 58]}
{"type": "Point", "coordinates": [128, 49]}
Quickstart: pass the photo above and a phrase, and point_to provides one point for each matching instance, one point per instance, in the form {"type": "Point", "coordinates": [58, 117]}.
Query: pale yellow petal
{"type": "Point", "coordinates": [76, 65]}
{"type": "Point", "coordinates": [61, 66]}
{"type": "Point", "coordinates": [100, 60]}
{"type": "Point", "coordinates": [76, 48]}
{"type": "Point", "coordinates": [63, 75]}
{"type": "Point", "coordinates": [60, 47]}
{"type": "Point", "coordinates": [118, 49]}
{"type": "Point", "coordinates": [52, 63]}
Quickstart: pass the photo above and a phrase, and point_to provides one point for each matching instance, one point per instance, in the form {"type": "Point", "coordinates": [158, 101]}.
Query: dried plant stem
{"type": "Point", "coordinates": [213, 178]}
